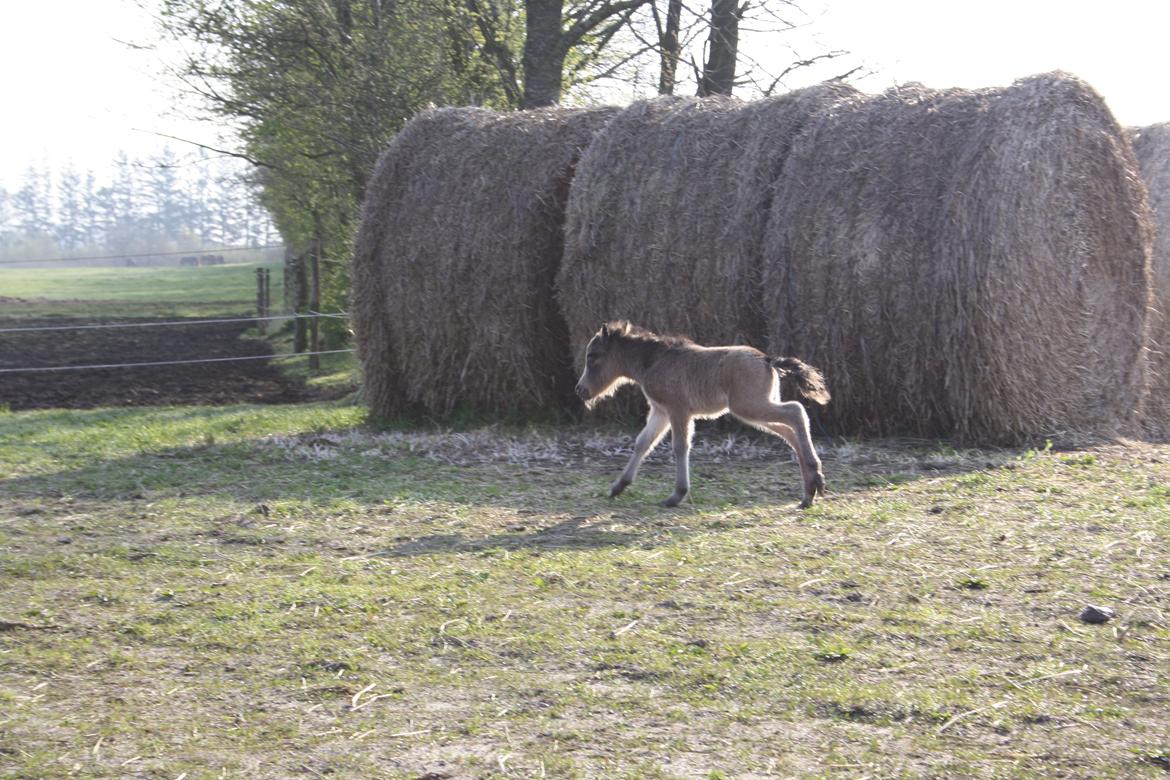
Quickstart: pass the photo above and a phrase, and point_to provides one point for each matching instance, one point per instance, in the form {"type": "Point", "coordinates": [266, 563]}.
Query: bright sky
{"type": "Point", "coordinates": [1119, 47]}
{"type": "Point", "coordinates": [73, 91]}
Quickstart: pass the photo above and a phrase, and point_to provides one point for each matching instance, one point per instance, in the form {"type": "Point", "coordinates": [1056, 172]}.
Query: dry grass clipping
{"type": "Point", "coordinates": [965, 263]}
{"type": "Point", "coordinates": [667, 212]}
{"type": "Point", "coordinates": [1151, 145]}
{"type": "Point", "coordinates": [460, 243]}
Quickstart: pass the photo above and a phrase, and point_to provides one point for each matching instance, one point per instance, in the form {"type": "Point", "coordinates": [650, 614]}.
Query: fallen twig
{"type": "Point", "coordinates": [969, 713]}
{"type": "Point", "coordinates": [13, 625]}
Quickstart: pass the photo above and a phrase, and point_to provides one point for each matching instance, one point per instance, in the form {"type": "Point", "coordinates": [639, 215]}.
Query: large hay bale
{"type": "Point", "coordinates": [460, 243]}
{"type": "Point", "coordinates": [667, 211]}
{"type": "Point", "coordinates": [967, 263]}
{"type": "Point", "coordinates": [1151, 146]}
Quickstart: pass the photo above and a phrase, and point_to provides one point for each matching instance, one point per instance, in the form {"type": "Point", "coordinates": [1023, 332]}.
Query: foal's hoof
{"type": "Point", "coordinates": [672, 501]}
{"type": "Point", "coordinates": [814, 487]}
{"type": "Point", "coordinates": [616, 488]}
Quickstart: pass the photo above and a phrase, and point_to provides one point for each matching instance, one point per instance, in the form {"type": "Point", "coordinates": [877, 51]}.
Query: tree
{"type": "Point", "coordinates": [89, 211]}
{"type": "Point", "coordinates": [318, 88]}
{"type": "Point", "coordinates": [6, 226]}
{"type": "Point", "coordinates": [669, 44]}
{"type": "Point", "coordinates": [722, 48]}
{"type": "Point", "coordinates": [32, 204]}
{"type": "Point", "coordinates": [165, 215]}
{"type": "Point", "coordinates": [70, 226]}
{"type": "Point", "coordinates": [714, 42]}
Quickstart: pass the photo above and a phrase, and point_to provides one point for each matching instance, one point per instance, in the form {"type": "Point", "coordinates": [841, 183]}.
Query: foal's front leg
{"type": "Point", "coordinates": [681, 428]}
{"type": "Point", "coordinates": [656, 424]}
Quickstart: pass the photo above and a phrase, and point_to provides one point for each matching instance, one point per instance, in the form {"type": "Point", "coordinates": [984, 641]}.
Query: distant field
{"type": "Point", "coordinates": [278, 592]}
{"type": "Point", "coordinates": [141, 292]}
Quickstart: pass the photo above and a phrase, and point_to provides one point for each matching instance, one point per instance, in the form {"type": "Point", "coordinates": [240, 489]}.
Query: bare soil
{"type": "Point", "coordinates": [236, 381]}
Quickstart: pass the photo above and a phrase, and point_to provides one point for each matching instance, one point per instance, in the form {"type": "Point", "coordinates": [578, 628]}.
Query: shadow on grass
{"type": "Point", "coordinates": [552, 501]}
{"type": "Point", "coordinates": [580, 532]}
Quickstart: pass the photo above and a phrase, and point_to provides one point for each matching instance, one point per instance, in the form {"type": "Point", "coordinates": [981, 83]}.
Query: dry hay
{"type": "Point", "coordinates": [1151, 145]}
{"type": "Point", "coordinates": [667, 211]}
{"type": "Point", "coordinates": [967, 263]}
{"type": "Point", "coordinates": [460, 243]}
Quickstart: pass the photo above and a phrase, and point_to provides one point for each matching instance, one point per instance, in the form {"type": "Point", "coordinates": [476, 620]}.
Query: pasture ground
{"type": "Point", "coordinates": [280, 591]}
{"type": "Point", "coordinates": [251, 379]}
{"type": "Point", "coordinates": [107, 291]}
{"type": "Point", "coordinates": [66, 297]}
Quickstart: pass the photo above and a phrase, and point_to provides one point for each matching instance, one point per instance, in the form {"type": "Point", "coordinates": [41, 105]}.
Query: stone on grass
{"type": "Point", "coordinates": [1094, 614]}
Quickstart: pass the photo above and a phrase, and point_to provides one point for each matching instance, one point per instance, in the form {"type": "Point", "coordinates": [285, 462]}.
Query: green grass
{"type": "Point", "coordinates": [106, 291]}
{"type": "Point", "coordinates": [283, 592]}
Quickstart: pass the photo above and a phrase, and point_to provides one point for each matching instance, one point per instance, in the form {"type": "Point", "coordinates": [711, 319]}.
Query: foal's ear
{"type": "Point", "coordinates": [604, 332]}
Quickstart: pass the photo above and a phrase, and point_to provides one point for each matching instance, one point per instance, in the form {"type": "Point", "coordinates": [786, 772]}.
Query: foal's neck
{"type": "Point", "coordinates": [636, 356]}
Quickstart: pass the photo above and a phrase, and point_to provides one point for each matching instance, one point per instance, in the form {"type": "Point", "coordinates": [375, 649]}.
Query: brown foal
{"type": "Point", "coordinates": [683, 380]}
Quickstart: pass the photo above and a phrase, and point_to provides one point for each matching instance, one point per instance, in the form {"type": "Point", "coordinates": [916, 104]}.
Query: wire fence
{"type": "Point", "coordinates": [164, 324]}
{"type": "Point", "coordinates": [114, 325]}
{"type": "Point", "coordinates": [34, 369]}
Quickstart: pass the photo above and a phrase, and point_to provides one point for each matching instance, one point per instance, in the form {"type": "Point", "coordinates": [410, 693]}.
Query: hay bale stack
{"type": "Point", "coordinates": [967, 263]}
{"type": "Point", "coordinates": [460, 243]}
{"type": "Point", "coordinates": [1151, 146]}
{"type": "Point", "coordinates": [667, 212]}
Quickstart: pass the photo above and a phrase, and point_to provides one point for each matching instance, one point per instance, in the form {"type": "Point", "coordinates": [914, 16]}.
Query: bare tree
{"type": "Point", "coordinates": [553, 34]}
{"type": "Point", "coordinates": [726, 46]}
{"type": "Point", "coordinates": [722, 48]}
{"type": "Point", "coordinates": [669, 44]}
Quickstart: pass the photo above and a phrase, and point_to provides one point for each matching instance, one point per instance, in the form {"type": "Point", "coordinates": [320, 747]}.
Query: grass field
{"type": "Point", "coordinates": [283, 592]}
{"type": "Point", "coordinates": [139, 292]}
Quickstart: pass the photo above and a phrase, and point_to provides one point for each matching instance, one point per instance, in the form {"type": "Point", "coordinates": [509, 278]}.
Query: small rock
{"type": "Point", "coordinates": [64, 540]}
{"type": "Point", "coordinates": [1095, 614]}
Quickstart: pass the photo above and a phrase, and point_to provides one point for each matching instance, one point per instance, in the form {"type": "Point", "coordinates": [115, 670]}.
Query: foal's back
{"type": "Point", "coordinates": [705, 380]}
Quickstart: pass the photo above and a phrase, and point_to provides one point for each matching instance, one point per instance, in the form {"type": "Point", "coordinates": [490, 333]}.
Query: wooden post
{"type": "Point", "coordinates": [260, 313]}
{"type": "Point", "coordinates": [267, 292]}
{"type": "Point", "coordinates": [300, 301]}
{"type": "Point", "coordinates": [315, 305]}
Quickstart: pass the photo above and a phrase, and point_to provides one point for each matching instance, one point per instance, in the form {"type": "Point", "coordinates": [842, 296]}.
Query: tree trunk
{"type": "Point", "coordinates": [669, 48]}
{"type": "Point", "coordinates": [722, 45]}
{"type": "Point", "coordinates": [544, 53]}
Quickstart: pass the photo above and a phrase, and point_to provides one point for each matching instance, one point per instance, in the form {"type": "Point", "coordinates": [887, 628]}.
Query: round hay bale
{"type": "Point", "coordinates": [964, 263]}
{"type": "Point", "coordinates": [369, 309]}
{"type": "Point", "coordinates": [460, 243]}
{"type": "Point", "coordinates": [667, 212]}
{"type": "Point", "coordinates": [1151, 146]}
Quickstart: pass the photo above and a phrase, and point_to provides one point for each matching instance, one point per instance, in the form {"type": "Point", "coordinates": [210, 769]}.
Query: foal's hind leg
{"type": "Point", "coordinates": [789, 421]}
{"type": "Point", "coordinates": [681, 429]}
{"type": "Point", "coordinates": [656, 424]}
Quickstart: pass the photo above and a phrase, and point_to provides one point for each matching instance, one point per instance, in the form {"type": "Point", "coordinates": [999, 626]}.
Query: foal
{"type": "Point", "coordinates": [683, 380]}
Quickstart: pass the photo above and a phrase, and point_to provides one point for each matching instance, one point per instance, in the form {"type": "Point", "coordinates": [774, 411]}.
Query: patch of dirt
{"type": "Point", "coordinates": [236, 381]}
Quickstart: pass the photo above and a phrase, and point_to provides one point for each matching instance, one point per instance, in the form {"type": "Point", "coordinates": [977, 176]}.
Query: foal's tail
{"type": "Point", "coordinates": [809, 380]}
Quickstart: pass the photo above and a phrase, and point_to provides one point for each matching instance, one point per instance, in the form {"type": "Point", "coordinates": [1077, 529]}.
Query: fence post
{"type": "Point", "coordinates": [260, 313]}
{"type": "Point", "coordinates": [315, 306]}
{"type": "Point", "coordinates": [300, 299]}
{"type": "Point", "coordinates": [267, 292]}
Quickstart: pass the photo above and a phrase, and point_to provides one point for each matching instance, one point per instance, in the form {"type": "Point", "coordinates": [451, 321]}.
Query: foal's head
{"type": "Point", "coordinates": [604, 370]}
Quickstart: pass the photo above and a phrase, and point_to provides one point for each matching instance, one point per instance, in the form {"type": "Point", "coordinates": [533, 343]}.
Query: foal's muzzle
{"type": "Point", "coordinates": [582, 393]}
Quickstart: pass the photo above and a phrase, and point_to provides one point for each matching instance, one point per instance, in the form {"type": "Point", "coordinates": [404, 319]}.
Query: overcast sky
{"type": "Point", "coordinates": [74, 91]}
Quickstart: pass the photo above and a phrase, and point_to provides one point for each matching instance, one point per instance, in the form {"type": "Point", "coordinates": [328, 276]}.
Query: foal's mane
{"type": "Point", "coordinates": [624, 330]}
